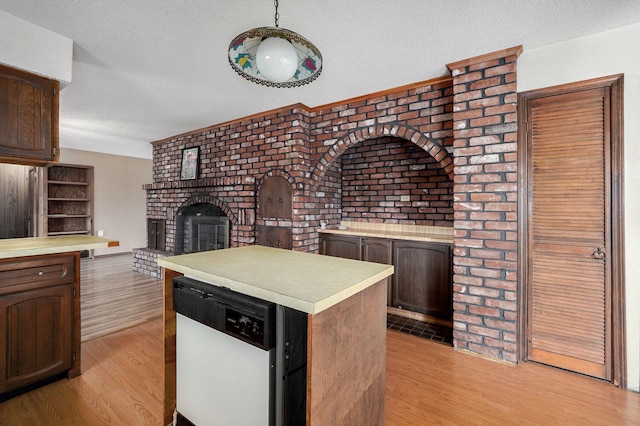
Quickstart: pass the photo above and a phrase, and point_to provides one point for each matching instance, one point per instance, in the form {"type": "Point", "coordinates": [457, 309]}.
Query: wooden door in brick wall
{"type": "Point", "coordinates": [570, 139]}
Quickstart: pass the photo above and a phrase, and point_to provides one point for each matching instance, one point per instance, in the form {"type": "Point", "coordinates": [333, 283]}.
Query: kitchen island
{"type": "Point", "coordinates": [345, 303]}
{"type": "Point", "coordinates": [40, 308]}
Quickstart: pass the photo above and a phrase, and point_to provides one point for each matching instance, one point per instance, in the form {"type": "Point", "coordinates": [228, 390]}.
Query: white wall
{"type": "Point", "coordinates": [119, 200]}
{"type": "Point", "coordinates": [599, 55]}
{"type": "Point", "coordinates": [35, 49]}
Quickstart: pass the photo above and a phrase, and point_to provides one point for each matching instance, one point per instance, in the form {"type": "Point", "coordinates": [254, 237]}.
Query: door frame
{"type": "Point", "coordinates": [616, 87]}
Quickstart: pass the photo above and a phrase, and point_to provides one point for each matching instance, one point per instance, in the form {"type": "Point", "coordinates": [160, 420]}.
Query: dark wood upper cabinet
{"type": "Point", "coordinates": [275, 199]}
{"type": "Point", "coordinates": [28, 118]}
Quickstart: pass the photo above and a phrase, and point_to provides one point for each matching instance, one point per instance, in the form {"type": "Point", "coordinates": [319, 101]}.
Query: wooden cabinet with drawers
{"type": "Point", "coordinates": [39, 319]}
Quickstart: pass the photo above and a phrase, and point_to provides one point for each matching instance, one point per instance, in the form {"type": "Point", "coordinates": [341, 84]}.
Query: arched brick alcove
{"type": "Point", "coordinates": [434, 148]}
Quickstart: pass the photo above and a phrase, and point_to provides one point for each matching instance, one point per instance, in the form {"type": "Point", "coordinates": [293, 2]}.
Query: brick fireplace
{"type": "Point", "coordinates": [447, 143]}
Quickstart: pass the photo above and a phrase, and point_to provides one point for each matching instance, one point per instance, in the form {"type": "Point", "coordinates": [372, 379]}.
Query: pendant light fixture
{"type": "Point", "coordinates": [274, 56]}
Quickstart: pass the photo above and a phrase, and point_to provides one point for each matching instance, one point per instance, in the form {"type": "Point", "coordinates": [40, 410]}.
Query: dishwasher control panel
{"type": "Point", "coordinates": [244, 317]}
{"type": "Point", "coordinates": [245, 326]}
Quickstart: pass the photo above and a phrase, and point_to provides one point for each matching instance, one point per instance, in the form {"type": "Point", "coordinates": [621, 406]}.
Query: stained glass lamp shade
{"type": "Point", "coordinates": [266, 56]}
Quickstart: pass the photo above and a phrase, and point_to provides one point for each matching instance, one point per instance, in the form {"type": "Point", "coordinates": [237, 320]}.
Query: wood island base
{"type": "Point", "coordinates": [346, 358]}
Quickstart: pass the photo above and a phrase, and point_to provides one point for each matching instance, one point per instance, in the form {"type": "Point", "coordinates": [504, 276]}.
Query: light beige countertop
{"type": "Point", "coordinates": [435, 234]}
{"type": "Point", "coordinates": [304, 281]}
{"type": "Point", "coordinates": [17, 247]}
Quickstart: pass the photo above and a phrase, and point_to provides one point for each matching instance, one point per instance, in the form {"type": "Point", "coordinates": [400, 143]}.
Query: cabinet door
{"type": "Point", "coordinates": [275, 198]}
{"type": "Point", "coordinates": [379, 251]}
{"type": "Point", "coordinates": [156, 234]}
{"type": "Point", "coordinates": [376, 250]}
{"type": "Point", "coordinates": [422, 278]}
{"type": "Point", "coordinates": [265, 236]}
{"type": "Point", "coordinates": [349, 247]}
{"type": "Point", "coordinates": [273, 236]}
{"type": "Point", "coordinates": [36, 329]}
{"type": "Point", "coordinates": [28, 117]}
{"type": "Point", "coordinates": [282, 238]}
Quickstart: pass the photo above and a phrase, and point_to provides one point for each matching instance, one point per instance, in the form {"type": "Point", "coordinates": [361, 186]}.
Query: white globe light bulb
{"type": "Point", "coordinates": [277, 59]}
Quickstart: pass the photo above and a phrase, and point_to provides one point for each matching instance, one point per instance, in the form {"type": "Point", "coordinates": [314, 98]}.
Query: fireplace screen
{"type": "Point", "coordinates": [201, 227]}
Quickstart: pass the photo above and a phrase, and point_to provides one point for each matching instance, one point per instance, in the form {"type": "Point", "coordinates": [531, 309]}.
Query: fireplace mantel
{"type": "Point", "coordinates": [201, 183]}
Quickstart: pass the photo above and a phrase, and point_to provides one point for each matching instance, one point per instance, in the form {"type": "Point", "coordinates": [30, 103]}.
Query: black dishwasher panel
{"type": "Point", "coordinates": [247, 318]}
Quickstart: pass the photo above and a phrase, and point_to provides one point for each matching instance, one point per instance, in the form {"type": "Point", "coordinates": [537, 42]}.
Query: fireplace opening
{"type": "Point", "coordinates": [201, 227]}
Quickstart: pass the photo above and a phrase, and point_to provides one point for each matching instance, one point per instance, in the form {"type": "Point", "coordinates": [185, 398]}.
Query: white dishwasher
{"type": "Point", "coordinates": [240, 361]}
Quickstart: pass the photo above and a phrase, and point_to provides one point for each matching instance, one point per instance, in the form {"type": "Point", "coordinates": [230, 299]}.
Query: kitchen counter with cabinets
{"type": "Point", "coordinates": [422, 256]}
{"type": "Point", "coordinates": [435, 234]}
{"type": "Point", "coordinates": [40, 308]}
{"type": "Point", "coordinates": [345, 303]}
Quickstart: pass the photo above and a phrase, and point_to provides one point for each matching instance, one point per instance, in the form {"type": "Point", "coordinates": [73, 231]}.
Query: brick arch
{"type": "Point", "coordinates": [197, 199]}
{"type": "Point", "coordinates": [277, 172]}
{"type": "Point", "coordinates": [432, 147]}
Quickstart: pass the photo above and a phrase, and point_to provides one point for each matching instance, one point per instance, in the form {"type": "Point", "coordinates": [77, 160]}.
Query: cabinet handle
{"type": "Point", "coordinates": [278, 243]}
{"type": "Point", "coordinates": [280, 200]}
{"type": "Point", "coordinates": [269, 200]}
{"type": "Point", "coordinates": [267, 242]}
{"type": "Point", "coordinates": [598, 254]}
{"type": "Point", "coordinates": [41, 273]}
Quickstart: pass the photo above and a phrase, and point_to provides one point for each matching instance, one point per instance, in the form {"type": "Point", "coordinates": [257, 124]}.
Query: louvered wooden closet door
{"type": "Point", "coordinates": [569, 233]}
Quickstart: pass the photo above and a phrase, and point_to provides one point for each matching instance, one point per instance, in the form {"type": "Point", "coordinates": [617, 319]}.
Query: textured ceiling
{"type": "Point", "coordinates": [144, 70]}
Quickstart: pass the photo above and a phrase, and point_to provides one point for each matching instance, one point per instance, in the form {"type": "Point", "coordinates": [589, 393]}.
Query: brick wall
{"type": "Point", "coordinates": [485, 208]}
{"type": "Point", "coordinates": [306, 147]}
{"type": "Point", "coordinates": [320, 152]}
{"type": "Point", "coordinates": [378, 172]}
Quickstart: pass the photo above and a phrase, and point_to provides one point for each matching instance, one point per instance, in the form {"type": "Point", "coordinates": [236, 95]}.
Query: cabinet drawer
{"type": "Point", "coordinates": [27, 273]}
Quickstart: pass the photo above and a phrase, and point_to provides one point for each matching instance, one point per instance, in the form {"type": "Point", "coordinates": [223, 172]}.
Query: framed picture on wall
{"type": "Point", "coordinates": [190, 160]}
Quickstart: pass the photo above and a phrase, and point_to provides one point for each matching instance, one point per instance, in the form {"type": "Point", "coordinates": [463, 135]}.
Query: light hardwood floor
{"type": "Point", "coordinates": [113, 297]}
{"type": "Point", "coordinates": [428, 383]}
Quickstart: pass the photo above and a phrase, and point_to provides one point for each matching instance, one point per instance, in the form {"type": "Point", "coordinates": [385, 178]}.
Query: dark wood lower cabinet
{"type": "Point", "coordinates": [423, 274]}
{"type": "Point", "coordinates": [39, 319]}
{"type": "Point", "coordinates": [422, 278]}
{"type": "Point", "coordinates": [341, 246]}
{"type": "Point", "coordinates": [379, 250]}
{"type": "Point", "coordinates": [36, 326]}
{"type": "Point", "coordinates": [274, 236]}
